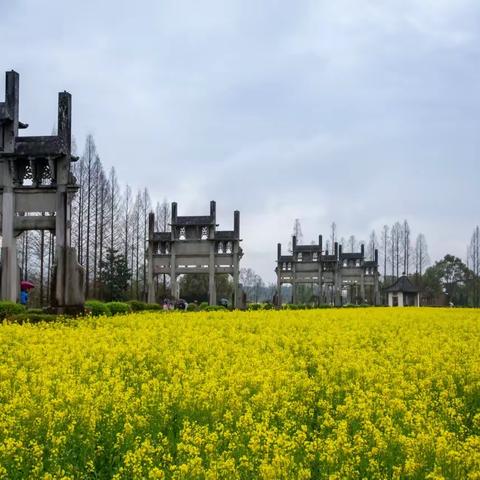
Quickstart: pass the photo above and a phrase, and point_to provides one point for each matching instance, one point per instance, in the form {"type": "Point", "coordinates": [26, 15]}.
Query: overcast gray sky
{"type": "Point", "coordinates": [360, 111]}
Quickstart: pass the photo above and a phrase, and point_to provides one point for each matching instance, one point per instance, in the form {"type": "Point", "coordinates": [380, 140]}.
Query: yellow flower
{"type": "Point", "coordinates": [342, 393]}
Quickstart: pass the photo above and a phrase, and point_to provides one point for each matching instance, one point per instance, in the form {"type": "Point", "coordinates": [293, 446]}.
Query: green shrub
{"type": "Point", "coordinates": [268, 306]}
{"type": "Point", "coordinates": [203, 306]}
{"type": "Point", "coordinates": [8, 309]}
{"type": "Point", "coordinates": [254, 306]}
{"type": "Point", "coordinates": [192, 307]}
{"type": "Point", "coordinates": [32, 317]}
{"type": "Point", "coordinates": [138, 306]}
{"type": "Point", "coordinates": [295, 306]}
{"type": "Point", "coordinates": [97, 308]}
{"type": "Point", "coordinates": [118, 307]}
{"type": "Point", "coordinates": [35, 311]}
{"type": "Point", "coordinates": [324, 305]}
{"type": "Point", "coordinates": [153, 306]}
{"type": "Point", "coordinates": [214, 308]}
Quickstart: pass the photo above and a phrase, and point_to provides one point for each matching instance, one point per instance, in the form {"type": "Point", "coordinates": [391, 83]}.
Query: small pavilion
{"type": "Point", "coordinates": [403, 293]}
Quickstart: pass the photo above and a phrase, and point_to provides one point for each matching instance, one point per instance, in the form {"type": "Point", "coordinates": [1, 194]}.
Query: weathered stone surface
{"type": "Point", "coordinates": [195, 246]}
{"type": "Point", "coordinates": [35, 177]}
{"type": "Point", "coordinates": [333, 274]}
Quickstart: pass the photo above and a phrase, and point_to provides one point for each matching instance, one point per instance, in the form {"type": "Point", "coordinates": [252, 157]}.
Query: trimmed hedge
{"type": "Point", "coordinates": [118, 307]}
{"type": "Point", "coordinates": [7, 309]}
{"type": "Point", "coordinates": [214, 308]}
{"type": "Point", "coordinates": [97, 308]}
{"type": "Point", "coordinates": [294, 306]}
{"type": "Point", "coordinates": [29, 317]}
{"type": "Point", "coordinates": [138, 306]}
{"type": "Point", "coordinates": [153, 306]}
{"type": "Point", "coordinates": [352, 305]}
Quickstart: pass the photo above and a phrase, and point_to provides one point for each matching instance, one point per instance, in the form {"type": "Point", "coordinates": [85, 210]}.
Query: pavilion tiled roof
{"type": "Point", "coordinates": [403, 284]}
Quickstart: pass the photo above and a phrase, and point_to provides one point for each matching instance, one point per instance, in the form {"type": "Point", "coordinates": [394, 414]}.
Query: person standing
{"type": "Point", "coordinates": [24, 297]}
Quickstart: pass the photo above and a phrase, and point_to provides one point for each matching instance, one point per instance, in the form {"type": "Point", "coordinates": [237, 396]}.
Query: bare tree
{"type": "Point", "coordinates": [421, 254]}
{"type": "Point", "coordinates": [372, 245]}
{"type": "Point", "coordinates": [102, 220]}
{"type": "Point", "coordinates": [333, 234]}
{"type": "Point", "coordinates": [162, 216]}
{"type": "Point", "coordinates": [352, 243]}
{"type": "Point", "coordinates": [406, 246]}
{"type": "Point", "coordinates": [395, 241]}
{"type": "Point", "coordinates": [98, 173]}
{"type": "Point", "coordinates": [126, 216]}
{"type": "Point", "coordinates": [385, 241]}
{"type": "Point", "coordinates": [136, 241]}
{"type": "Point", "coordinates": [297, 232]}
{"type": "Point", "coordinates": [145, 212]}
{"type": "Point", "coordinates": [114, 221]}
{"type": "Point", "coordinates": [89, 156]}
{"type": "Point", "coordinates": [78, 206]}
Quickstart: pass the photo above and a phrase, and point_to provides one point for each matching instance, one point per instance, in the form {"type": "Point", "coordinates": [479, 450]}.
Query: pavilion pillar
{"type": "Point", "coordinates": [212, 291]}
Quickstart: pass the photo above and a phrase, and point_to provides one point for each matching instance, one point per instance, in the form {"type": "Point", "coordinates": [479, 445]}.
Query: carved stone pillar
{"type": "Point", "coordinates": [212, 291]}
{"type": "Point", "coordinates": [236, 273]}
{"type": "Point", "coordinates": [362, 286]}
{"type": "Point", "coordinates": [173, 273]}
{"type": "Point", "coordinates": [10, 277]}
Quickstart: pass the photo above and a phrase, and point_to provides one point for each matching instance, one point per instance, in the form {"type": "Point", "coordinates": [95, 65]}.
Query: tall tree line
{"type": "Point", "coordinates": [400, 253]}
{"type": "Point", "coordinates": [108, 221]}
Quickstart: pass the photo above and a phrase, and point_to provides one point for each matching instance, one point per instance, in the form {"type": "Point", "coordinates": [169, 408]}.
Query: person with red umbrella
{"type": "Point", "coordinates": [25, 286]}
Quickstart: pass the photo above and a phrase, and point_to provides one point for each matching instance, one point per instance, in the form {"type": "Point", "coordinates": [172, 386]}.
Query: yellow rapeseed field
{"type": "Point", "coordinates": [353, 393]}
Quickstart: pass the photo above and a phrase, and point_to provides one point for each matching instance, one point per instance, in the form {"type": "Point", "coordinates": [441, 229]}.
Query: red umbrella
{"type": "Point", "coordinates": [26, 285]}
